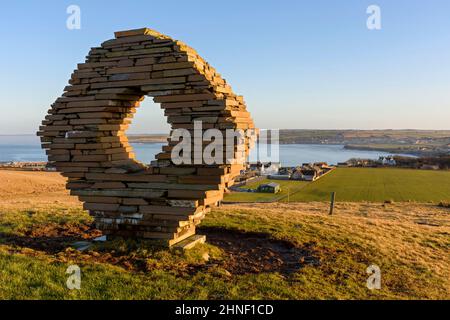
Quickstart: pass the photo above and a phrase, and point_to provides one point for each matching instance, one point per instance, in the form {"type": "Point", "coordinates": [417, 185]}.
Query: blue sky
{"type": "Point", "coordinates": [299, 64]}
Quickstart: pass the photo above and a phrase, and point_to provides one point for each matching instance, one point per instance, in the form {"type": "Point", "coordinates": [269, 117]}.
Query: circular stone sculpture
{"type": "Point", "coordinates": [84, 136]}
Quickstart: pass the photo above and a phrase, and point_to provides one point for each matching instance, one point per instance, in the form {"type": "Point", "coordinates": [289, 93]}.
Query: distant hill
{"type": "Point", "coordinates": [148, 138]}
{"type": "Point", "coordinates": [418, 142]}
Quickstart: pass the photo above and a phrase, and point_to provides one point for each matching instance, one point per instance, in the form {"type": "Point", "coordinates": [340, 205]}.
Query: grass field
{"type": "Point", "coordinates": [286, 187]}
{"type": "Point", "coordinates": [253, 251]}
{"type": "Point", "coordinates": [263, 251]}
{"type": "Point", "coordinates": [358, 184]}
{"type": "Point", "coordinates": [378, 185]}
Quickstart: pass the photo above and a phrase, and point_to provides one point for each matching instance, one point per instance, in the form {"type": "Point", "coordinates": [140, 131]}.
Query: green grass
{"type": "Point", "coordinates": [18, 222]}
{"type": "Point", "coordinates": [287, 186]}
{"type": "Point", "coordinates": [378, 185]}
{"type": "Point", "coordinates": [26, 273]}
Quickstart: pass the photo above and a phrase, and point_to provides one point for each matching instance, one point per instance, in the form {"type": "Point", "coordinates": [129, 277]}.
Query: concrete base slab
{"type": "Point", "coordinates": [100, 239]}
{"type": "Point", "coordinates": [82, 245]}
{"type": "Point", "coordinates": [190, 242]}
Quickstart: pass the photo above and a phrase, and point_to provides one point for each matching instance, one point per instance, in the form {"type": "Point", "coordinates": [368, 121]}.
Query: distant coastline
{"type": "Point", "coordinates": [147, 138]}
{"type": "Point", "coordinates": [408, 141]}
{"type": "Point", "coordinates": [393, 150]}
{"type": "Point", "coordinates": [413, 142]}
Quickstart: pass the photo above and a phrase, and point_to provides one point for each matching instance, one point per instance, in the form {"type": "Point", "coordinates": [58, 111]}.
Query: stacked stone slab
{"type": "Point", "coordinates": [84, 135]}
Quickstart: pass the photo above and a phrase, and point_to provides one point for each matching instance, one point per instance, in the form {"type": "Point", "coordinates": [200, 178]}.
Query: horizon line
{"type": "Point", "coordinates": [161, 133]}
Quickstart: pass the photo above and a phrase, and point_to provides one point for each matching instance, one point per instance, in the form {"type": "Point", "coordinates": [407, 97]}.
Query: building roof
{"type": "Point", "coordinates": [272, 184]}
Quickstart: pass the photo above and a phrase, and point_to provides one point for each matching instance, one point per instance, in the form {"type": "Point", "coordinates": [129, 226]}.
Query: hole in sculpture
{"type": "Point", "coordinates": [148, 131]}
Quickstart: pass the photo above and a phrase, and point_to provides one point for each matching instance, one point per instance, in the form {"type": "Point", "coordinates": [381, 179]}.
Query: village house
{"type": "Point", "coordinates": [364, 163]}
{"type": "Point", "coordinates": [286, 170]}
{"type": "Point", "coordinates": [387, 161]}
{"type": "Point", "coordinates": [306, 174]}
{"type": "Point", "coordinates": [311, 172]}
{"type": "Point", "coordinates": [269, 188]}
{"type": "Point", "coordinates": [26, 166]}
{"type": "Point", "coordinates": [265, 168]}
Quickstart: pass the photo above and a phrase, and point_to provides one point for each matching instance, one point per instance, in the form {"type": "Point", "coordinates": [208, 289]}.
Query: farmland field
{"type": "Point", "coordinates": [377, 185]}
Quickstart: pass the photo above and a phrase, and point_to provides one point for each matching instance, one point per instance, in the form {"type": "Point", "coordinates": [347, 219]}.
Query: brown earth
{"type": "Point", "coordinates": [26, 189]}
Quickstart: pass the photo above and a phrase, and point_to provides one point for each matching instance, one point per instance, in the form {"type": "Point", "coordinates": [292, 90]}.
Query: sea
{"type": "Point", "coordinates": [27, 148]}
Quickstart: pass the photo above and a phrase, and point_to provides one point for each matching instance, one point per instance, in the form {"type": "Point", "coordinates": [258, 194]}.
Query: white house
{"type": "Point", "coordinates": [387, 161]}
{"type": "Point", "coordinates": [266, 169]}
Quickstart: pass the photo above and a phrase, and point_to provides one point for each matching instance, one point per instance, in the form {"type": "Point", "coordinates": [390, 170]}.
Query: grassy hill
{"type": "Point", "coordinates": [263, 251]}
{"type": "Point", "coordinates": [254, 251]}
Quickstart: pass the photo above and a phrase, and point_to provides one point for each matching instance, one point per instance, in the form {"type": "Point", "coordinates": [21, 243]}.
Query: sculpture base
{"type": "Point", "coordinates": [190, 242]}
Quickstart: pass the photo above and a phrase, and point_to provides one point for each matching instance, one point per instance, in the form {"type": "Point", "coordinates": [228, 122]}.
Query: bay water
{"type": "Point", "coordinates": [27, 148]}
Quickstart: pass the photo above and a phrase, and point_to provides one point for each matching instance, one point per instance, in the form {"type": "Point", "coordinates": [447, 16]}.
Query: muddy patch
{"type": "Point", "coordinates": [250, 252]}
{"type": "Point", "coordinates": [243, 252]}
{"type": "Point", "coordinates": [51, 238]}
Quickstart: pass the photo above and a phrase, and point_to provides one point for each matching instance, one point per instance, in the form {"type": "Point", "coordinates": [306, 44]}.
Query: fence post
{"type": "Point", "coordinates": [333, 198]}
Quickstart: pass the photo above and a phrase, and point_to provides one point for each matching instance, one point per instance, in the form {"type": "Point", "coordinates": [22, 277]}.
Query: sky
{"type": "Point", "coordinates": [298, 64]}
